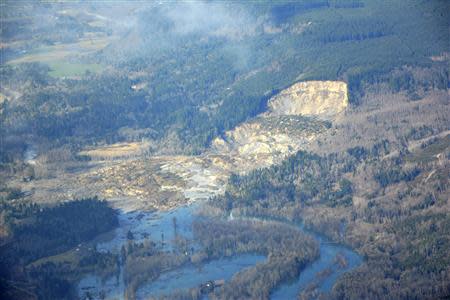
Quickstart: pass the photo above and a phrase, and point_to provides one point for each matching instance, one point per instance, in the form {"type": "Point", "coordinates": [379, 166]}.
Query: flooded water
{"type": "Point", "coordinates": [112, 288]}
{"type": "Point", "coordinates": [190, 276]}
{"type": "Point", "coordinates": [334, 260]}
{"type": "Point", "coordinates": [156, 226]}
{"type": "Point", "coordinates": [160, 227]}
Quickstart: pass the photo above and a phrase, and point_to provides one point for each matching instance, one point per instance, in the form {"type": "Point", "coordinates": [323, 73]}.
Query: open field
{"type": "Point", "coordinates": [65, 69]}
{"type": "Point", "coordinates": [116, 150]}
{"type": "Point", "coordinates": [60, 51]}
{"type": "Point", "coordinates": [60, 58]}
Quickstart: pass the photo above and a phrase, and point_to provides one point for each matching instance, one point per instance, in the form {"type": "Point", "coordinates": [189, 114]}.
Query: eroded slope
{"type": "Point", "coordinates": [295, 118]}
{"type": "Point", "coordinates": [312, 98]}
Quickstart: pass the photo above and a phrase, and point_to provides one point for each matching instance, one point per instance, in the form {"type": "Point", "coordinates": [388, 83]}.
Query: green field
{"type": "Point", "coordinates": [65, 69]}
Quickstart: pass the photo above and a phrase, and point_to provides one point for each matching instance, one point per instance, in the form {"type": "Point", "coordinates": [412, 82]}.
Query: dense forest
{"type": "Point", "coordinates": [413, 252]}
{"type": "Point", "coordinates": [164, 90]}
{"type": "Point", "coordinates": [288, 251]}
{"type": "Point", "coordinates": [302, 179]}
{"type": "Point", "coordinates": [173, 76]}
{"type": "Point", "coordinates": [36, 232]}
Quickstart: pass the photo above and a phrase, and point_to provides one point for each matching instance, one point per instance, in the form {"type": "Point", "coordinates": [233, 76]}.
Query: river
{"type": "Point", "coordinates": [158, 226]}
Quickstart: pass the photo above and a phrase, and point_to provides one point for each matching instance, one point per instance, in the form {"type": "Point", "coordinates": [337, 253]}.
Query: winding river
{"type": "Point", "coordinates": [158, 226]}
{"type": "Point", "coordinates": [335, 259]}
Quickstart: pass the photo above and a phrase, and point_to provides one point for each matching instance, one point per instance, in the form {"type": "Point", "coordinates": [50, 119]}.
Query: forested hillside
{"type": "Point", "coordinates": [284, 131]}
{"type": "Point", "coordinates": [35, 233]}
{"type": "Point", "coordinates": [179, 82]}
{"type": "Point", "coordinates": [379, 183]}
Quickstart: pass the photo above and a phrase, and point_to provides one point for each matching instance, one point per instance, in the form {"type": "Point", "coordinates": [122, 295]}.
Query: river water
{"type": "Point", "coordinates": [191, 276]}
{"type": "Point", "coordinates": [159, 227]}
{"type": "Point", "coordinates": [323, 272]}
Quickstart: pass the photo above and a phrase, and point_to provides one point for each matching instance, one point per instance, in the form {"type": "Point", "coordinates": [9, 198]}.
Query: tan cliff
{"type": "Point", "coordinates": [117, 173]}
{"type": "Point", "coordinates": [293, 119]}
{"type": "Point", "coordinates": [323, 99]}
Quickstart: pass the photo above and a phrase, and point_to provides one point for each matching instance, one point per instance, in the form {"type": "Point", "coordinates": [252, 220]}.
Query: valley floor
{"type": "Point", "coordinates": [387, 131]}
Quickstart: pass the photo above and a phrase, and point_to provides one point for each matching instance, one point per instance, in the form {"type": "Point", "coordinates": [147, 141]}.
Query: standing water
{"type": "Point", "coordinates": [334, 260]}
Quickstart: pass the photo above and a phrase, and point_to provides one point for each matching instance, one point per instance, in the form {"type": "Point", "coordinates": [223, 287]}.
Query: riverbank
{"type": "Point", "coordinates": [164, 229]}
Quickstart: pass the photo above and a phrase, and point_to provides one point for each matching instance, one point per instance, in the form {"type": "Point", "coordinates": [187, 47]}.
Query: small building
{"type": "Point", "coordinates": [210, 285]}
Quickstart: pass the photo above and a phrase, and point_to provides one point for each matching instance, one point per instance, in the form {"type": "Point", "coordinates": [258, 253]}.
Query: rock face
{"type": "Point", "coordinates": [296, 117]}
{"type": "Point", "coordinates": [311, 98]}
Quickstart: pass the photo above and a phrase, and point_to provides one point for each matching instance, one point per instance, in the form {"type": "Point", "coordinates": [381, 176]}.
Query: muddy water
{"type": "Point", "coordinates": [322, 273]}
{"type": "Point", "coordinates": [159, 227]}
{"type": "Point", "coordinates": [156, 226]}
{"type": "Point", "coordinates": [190, 276]}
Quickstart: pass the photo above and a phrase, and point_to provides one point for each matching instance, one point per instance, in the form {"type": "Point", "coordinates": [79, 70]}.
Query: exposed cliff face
{"type": "Point", "coordinates": [323, 99]}
{"type": "Point", "coordinates": [296, 117]}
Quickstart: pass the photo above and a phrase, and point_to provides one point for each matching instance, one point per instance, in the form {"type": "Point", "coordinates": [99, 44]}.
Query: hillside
{"type": "Point", "coordinates": [131, 179]}
{"type": "Point", "coordinates": [184, 101]}
{"type": "Point", "coordinates": [242, 150]}
{"type": "Point", "coordinates": [374, 183]}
